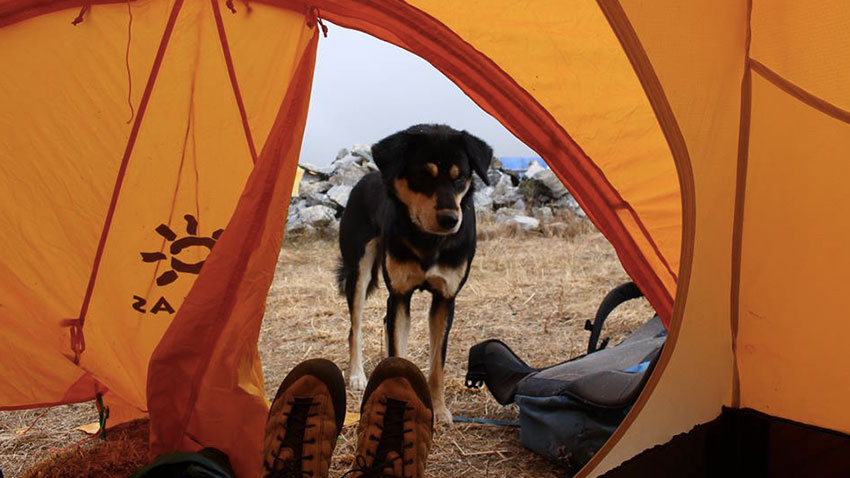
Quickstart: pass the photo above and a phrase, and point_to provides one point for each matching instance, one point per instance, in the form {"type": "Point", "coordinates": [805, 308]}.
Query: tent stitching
{"type": "Point", "coordinates": [231, 72]}
{"type": "Point", "coordinates": [738, 218]}
{"type": "Point", "coordinates": [787, 86]}
{"type": "Point", "coordinates": [127, 61]}
{"type": "Point", "coordinates": [189, 129]}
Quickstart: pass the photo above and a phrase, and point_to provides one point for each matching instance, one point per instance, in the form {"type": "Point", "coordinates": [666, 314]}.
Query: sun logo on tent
{"type": "Point", "coordinates": [179, 245]}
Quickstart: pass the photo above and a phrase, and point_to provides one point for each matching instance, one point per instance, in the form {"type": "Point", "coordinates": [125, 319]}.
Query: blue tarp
{"type": "Point", "coordinates": [515, 163]}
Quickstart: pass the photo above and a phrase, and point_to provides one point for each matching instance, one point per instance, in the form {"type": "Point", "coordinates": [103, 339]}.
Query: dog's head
{"type": "Point", "coordinates": [429, 169]}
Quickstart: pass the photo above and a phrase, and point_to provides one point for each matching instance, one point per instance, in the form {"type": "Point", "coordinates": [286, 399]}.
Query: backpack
{"type": "Point", "coordinates": [568, 410]}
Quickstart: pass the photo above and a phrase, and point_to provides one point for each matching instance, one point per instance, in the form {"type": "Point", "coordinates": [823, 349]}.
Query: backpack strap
{"type": "Point", "coordinates": [622, 293]}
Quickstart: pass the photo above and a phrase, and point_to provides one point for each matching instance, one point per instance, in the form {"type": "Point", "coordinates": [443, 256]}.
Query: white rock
{"type": "Point", "coordinates": [533, 169]}
{"type": "Point", "coordinates": [477, 183]}
{"type": "Point", "coordinates": [505, 193]}
{"type": "Point", "coordinates": [494, 176]}
{"type": "Point", "coordinates": [341, 154]}
{"type": "Point", "coordinates": [554, 187]}
{"type": "Point", "coordinates": [317, 216]}
{"type": "Point", "coordinates": [482, 198]}
{"type": "Point", "coordinates": [293, 218]}
{"type": "Point", "coordinates": [319, 199]}
{"type": "Point", "coordinates": [339, 194]}
{"type": "Point", "coordinates": [348, 173]}
{"type": "Point", "coordinates": [294, 224]}
{"type": "Point", "coordinates": [296, 204]}
{"type": "Point", "coordinates": [506, 214]}
{"type": "Point", "coordinates": [503, 185]}
{"type": "Point", "coordinates": [363, 151]}
{"type": "Point", "coordinates": [525, 222]}
{"type": "Point", "coordinates": [348, 158]}
{"type": "Point", "coordinates": [569, 202]}
{"type": "Point", "coordinates": [310, 185]}
{"type": "Point", "coordinates": [320, 171]}
{"type": "Point", "coordinates": [544, 214]}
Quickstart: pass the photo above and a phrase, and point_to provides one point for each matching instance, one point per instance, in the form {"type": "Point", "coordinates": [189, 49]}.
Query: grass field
{"type": "Point", "coordinates": [531, 290]}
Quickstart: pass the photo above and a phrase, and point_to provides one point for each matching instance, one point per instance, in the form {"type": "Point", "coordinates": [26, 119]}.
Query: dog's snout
{"type": "Point", "coordinates": [447, 219]}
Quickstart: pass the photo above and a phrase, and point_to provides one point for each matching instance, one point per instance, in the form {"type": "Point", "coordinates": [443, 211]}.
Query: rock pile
{"type": "Point", "coordinates": [527, 199]}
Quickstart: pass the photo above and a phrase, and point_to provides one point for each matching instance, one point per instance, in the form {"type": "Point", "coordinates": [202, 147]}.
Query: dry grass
{"type": "Point", "coordinates": [123, 452]}
{"type": "Point", "coordinates": [533, 291]}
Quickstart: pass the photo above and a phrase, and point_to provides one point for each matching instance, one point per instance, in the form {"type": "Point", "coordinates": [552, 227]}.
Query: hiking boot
{"type": "Point", "coordinates": [396, 423]}
{"type": "Point", "coordinates": [304, 421]}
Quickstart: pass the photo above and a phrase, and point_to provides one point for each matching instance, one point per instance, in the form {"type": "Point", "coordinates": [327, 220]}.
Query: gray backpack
{"type": "Point", "coordinates": [568, 410]}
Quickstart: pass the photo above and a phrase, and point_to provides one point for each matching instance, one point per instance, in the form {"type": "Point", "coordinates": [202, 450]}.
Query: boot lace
{"type": "Point", "coordinates": [391, 440]}
{"type": "Point", "coordinates": [293, 438]}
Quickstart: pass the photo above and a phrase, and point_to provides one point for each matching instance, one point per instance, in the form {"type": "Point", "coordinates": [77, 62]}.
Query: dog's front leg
{"type": "Point", "coordinates": [357, 377]}
{"type": "Point", "coordinates": [397, 323]}
{"type": "Point", "coordinates": [439, 324]}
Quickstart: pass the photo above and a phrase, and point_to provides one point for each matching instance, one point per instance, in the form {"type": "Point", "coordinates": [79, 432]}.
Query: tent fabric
{"type": "Point", "coordinates": [183, 161]}
{"type": "Point", "coordinates": [144, 139]}
{"type": "Point", "coordinates": [799, 298]}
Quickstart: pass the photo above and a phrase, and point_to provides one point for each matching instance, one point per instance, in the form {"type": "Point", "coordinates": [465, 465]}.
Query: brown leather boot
{"type": "Point", "coordinates": [396, 423]}
{"type": "Point", "coordinates": [304, 421]}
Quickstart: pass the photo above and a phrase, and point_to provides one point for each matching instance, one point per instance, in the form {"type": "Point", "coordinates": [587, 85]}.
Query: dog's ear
{"type": "Point", "coordinates": [480, 155]}
{"type": "Point", "coordinates": [389, 152]}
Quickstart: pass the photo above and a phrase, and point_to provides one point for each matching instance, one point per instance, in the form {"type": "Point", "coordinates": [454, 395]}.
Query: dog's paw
{"type": "Point", "coordinates": [357, 381]}
{"type": "Point", "coordinates": [443, 416]}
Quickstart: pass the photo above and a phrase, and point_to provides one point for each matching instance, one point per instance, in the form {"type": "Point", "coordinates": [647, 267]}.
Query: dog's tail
{"type": "Point", "coordinates": [341, 275]}
{"type": "Point", "coordinates": [345, 273]}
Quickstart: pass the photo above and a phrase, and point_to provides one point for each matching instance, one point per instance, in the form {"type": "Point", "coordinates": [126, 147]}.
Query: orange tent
{"type": "Point", "coordinates": [143, 139]}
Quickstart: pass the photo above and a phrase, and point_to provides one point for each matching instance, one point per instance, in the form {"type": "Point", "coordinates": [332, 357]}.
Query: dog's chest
{"type": "Point", "coordinates": [441, 278]}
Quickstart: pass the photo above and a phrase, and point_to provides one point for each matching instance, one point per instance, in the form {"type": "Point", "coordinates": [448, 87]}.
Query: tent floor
{"type": "Point", "coordinates": [744, 442]}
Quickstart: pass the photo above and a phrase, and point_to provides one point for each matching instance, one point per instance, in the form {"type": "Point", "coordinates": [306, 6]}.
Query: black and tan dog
{"type": "Point", "coordinates": [415, 221]}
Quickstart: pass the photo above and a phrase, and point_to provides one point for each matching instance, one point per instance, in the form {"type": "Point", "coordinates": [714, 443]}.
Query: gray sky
{"type": "Point", "coordinates": [365, 89]}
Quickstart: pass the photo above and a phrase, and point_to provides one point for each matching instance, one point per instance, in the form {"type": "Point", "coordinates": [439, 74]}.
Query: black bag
{"type": "Point", "coordinates": [568, 410]}
{"type": "Point", "coordinates": [206, 463]}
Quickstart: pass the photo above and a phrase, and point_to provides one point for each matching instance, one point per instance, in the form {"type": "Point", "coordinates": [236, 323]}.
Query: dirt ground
{"type": "Point", "coordinates": [532, 290]}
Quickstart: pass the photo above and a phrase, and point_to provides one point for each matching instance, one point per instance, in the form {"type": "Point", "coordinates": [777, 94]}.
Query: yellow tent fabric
{"type": "Point", "coordinates": [707, 140]}
{"type": "Point", "coordinates": [299, 173]}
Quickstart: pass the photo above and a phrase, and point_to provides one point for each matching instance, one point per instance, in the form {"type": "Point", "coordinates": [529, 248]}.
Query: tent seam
{"type": "Point", "coordinates": [738, 218]}
{"type": "Point", "coordinates": [231, 72]}
{"type": "Point", "coordinates": [799, 93]}
{"type": "Point", "coordinates": [189, 128]}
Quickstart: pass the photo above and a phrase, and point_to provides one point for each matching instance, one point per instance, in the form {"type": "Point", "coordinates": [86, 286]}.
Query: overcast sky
{"type": "Point", "coordinates": [365, 89]}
